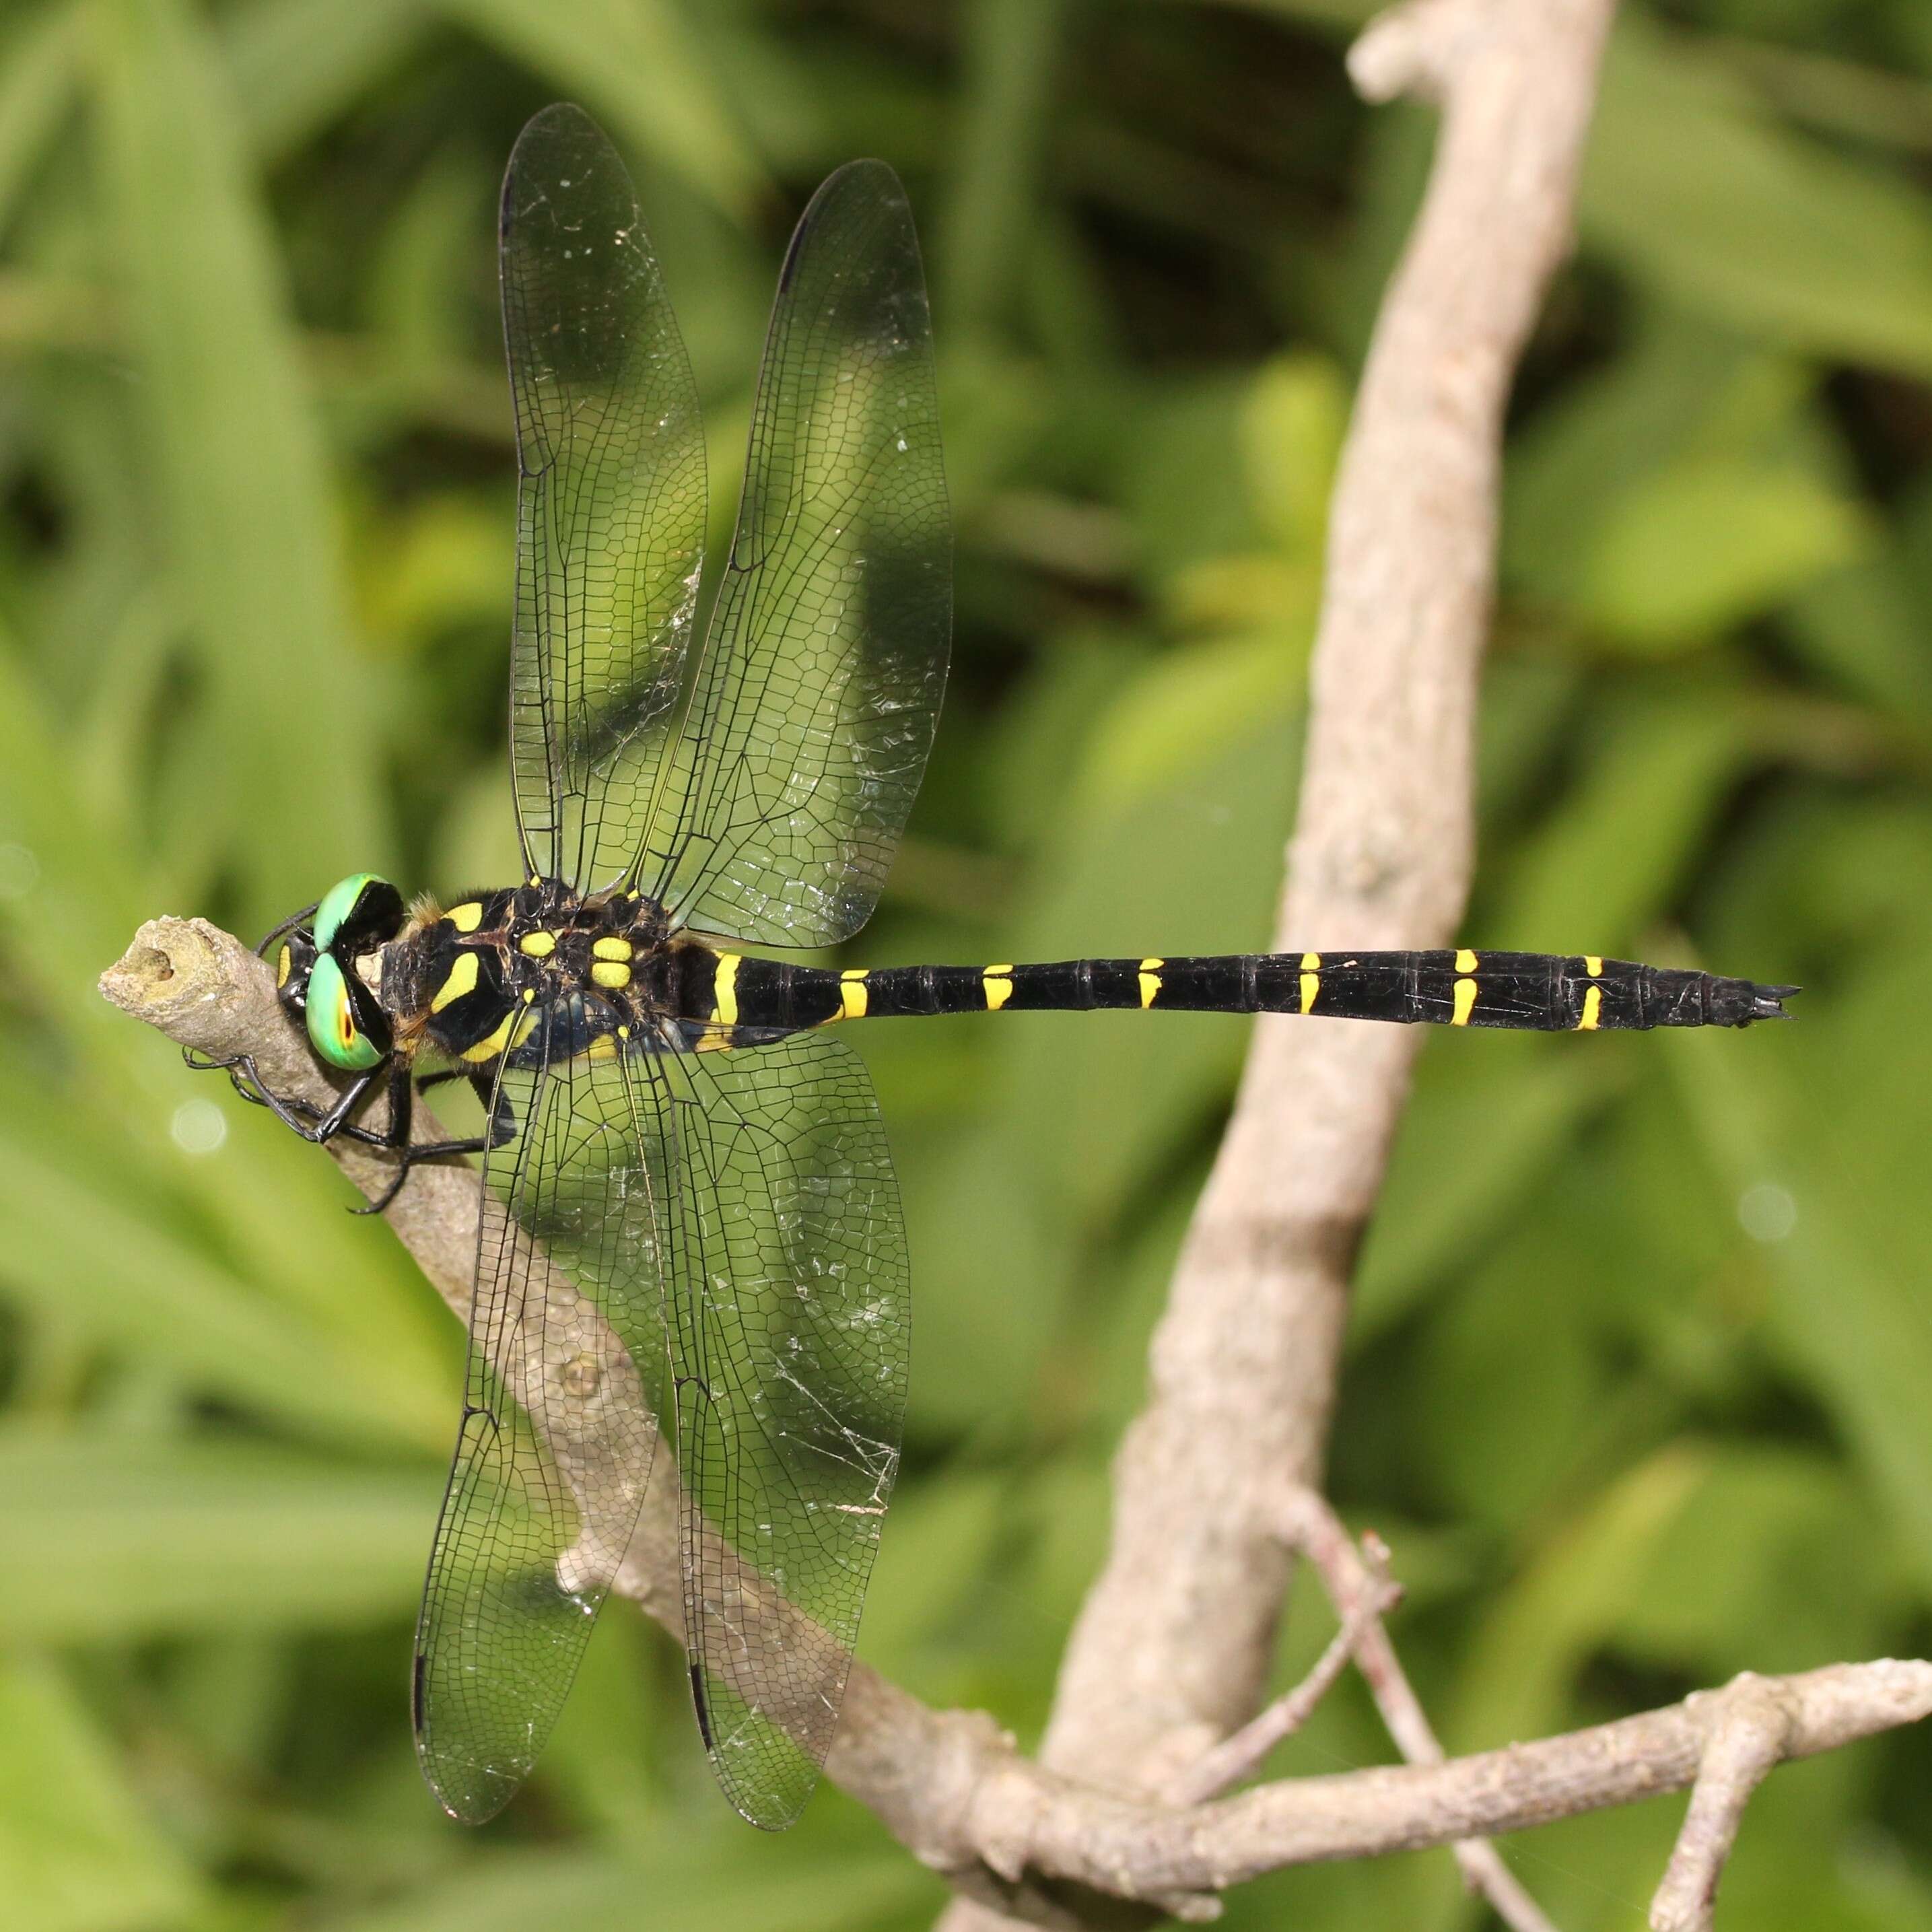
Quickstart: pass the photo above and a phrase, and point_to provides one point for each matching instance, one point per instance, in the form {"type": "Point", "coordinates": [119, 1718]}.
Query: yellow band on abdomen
{"type": "Point", "coordinates": [724, 990]}
{"type": "Point", "coordinates": [1311, 980]}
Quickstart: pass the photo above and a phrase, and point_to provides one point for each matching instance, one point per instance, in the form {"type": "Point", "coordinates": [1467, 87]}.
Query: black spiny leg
{"type": "Point", "coordinates": [313, 1125]}
{"type": "Point", "coordinates": [310, 1122]}
{"type": "Point", "coordinates": [403, 1089]}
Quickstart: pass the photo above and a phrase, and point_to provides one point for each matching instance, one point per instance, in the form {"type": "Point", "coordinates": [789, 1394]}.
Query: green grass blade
{"type": "Point", "coordinates": [185, 1537]}
{"type": "Point", "coordinates": [78, 1851]}
{"type": "Point", "coordinates": [299, 63]}
{"type": "Point", "coordinates": [636, 64]}
{"type": "Point", "coordinates": [240, 470]}
{"type": "Point", "coordinates": [39, 65]}
{"type": "Point", "coordinates": [1695, 187]}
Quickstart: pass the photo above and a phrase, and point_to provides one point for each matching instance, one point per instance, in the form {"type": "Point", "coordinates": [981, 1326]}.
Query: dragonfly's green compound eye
{"type": "Point", "coordinates": [338, 902]}
{"type": "Point", "coordinates": [331, 1021]}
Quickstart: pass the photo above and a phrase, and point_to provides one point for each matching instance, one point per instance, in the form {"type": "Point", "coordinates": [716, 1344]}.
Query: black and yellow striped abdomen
{"type": "Point", "coordinates": [1542, 992]}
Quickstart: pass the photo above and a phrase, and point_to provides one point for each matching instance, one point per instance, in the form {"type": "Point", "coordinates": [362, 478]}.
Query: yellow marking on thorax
{"type": "Point", "coordinates": [493, 1043]}
{"type": "Point", "coordinates": [1593, 965]}
{"type": "Point", "coordinates": [467, 917]}
{"type": "Point", "coordinates": [611, 949]}
{"type": "Point", "coordinates": [510, 1032]}
{"type": "Point", "coordinates": [285, 962]}
{"type": "Point", "coordinates": [538, 945]}
{"type": "Point", "coordinates": [608, 973]}
{"type": "Point", "coordinates": [1150, 981]}
{"type": "Point", "coordinates": [724, 990]}
{"type": "Point", "coordinates": [998, 983]}
{"type": "Point", "coordinates": [1466, 960]}
{"type": "Point", "coordinates": [1311, 980]}
{"type": "Point", "coordinates": [1465, 1002]}
{"type": "Point", "coordinates": [852, 994]}
{"type": "Point", "coordinates": [462, 979]}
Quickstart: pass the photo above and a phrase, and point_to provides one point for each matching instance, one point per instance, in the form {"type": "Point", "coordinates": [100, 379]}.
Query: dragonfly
{"type": "Point", "coordinates": [687, 1162]}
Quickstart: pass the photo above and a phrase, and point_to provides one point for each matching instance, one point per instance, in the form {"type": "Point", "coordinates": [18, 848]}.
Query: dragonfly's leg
{"type": "Point", "coordinates": [313, 1116]}
{"type": "Point", "coordinates": [296, 1115]}
{"type": "Point", "coordinates": [318, 1127]}
{"type": "Point", "coordinates": [197, 1063]}
{"type": "Point", "coordinates": [424, 1082]}
{"type": "Point", "coordinates": [409, 1157]}
{"type": "Point", "coordinates": [401, 1102]}
{"type": "Point", "coordinates": [402, 1112]}
{"type": "Point", "coordinates": [335, 1120]}
{"type": "Point", "coordinates": [239, 1067]}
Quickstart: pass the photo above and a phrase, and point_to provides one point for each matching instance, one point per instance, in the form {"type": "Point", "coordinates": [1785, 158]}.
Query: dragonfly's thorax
{"type": "Point", "coordinates": [478, 977]}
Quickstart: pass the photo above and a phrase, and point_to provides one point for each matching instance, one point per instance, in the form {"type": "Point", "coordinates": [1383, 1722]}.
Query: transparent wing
{"type": "Point", "coordinates": [535, 1520]}
{"type": "Point", "coordinates": [789, 1330]}
{"type": "Point", "coordinates": [611, 501]}
{"type": "Point", "coordinates": [815, 699]}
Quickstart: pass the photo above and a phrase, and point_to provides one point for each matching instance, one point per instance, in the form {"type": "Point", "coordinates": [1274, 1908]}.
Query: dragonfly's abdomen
{"type": "Point", "coordinates": [1546, 992]}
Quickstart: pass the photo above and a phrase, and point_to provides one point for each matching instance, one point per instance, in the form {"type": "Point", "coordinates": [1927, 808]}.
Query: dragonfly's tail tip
{"type": "Point", "coordinates": [1766, 1003]}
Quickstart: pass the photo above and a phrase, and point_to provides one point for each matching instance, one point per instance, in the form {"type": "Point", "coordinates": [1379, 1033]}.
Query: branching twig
{"type": "Point", "coordinates": [1312, 1528]}
{"type": "Point", "coordinates": [1748, 1728]}
{"type": "Point", "coordinates": [1362, 1593]}
{"type": "Point", "coordinates": [1240, 1756]}
{"type": "Point", "coordinates": [1173, 1644]}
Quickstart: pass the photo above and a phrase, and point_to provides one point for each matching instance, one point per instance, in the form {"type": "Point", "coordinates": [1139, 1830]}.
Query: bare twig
{"type": "Point", "coordinates": [1172, 1646]}
{"type": "Point", "coordinates": [1240, 1755]}
{"type": "Point", "coordinates": [1100, 1840]}
{"type": "Point", "coordinates": [1311, 1526]}
{"type": "Point", "coordinates": [1749, 1724]}
{"type": "Point", "coordinates": [949, 1784]}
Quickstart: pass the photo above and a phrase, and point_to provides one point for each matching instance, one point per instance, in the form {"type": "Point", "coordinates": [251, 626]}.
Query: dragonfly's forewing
{"type": "Point", "coordinates": [611, 501]}
{"type": "Point", "coordinates": [819, 686]}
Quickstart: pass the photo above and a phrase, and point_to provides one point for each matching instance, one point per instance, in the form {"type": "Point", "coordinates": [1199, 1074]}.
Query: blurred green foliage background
{"type": "Point", "coordinates": [1638, 1386]}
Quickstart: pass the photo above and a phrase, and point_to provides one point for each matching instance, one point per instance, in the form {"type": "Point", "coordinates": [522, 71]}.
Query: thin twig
{"type": "Point", "coordinates": [1312, 1527]}
{"type": "Point", "coordinates": [1747, 1739]}
{"type": "Point", "coordinates": [1240, 1755]}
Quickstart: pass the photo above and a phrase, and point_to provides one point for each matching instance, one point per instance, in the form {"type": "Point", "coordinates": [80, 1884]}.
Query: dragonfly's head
{"type": "Point", "coordinates": [316, 977]}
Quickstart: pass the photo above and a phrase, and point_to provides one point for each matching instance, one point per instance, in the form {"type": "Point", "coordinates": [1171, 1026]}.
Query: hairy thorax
{"type": "Point", "coordinates": [482, 976]}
